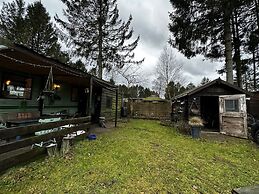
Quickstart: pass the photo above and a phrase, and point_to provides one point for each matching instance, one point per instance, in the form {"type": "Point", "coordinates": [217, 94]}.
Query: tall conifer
{"type": "Point", "coordinates": [97, 34]}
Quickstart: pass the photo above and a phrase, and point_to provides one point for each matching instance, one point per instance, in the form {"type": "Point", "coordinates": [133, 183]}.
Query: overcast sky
{"type": "Point", "coordinates": [150, 21]}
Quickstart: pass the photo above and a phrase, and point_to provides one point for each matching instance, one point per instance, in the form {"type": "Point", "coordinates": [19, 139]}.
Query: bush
{"type": "Point", "coordinates": [183, 127]}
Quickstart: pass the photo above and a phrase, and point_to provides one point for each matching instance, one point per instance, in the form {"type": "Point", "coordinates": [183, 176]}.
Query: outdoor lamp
{"type": "Point", "coordinates": [56, 86]}
{"type": "Point", "coordinates": [8, 82]}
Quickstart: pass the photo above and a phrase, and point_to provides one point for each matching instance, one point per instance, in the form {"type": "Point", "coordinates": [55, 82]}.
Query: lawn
{"type": "Point", "coordinates": [141, 157]}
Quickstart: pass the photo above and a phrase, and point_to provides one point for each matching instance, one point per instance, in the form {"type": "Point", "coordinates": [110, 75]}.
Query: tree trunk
{"type": "Point", "coordinates": [254, 71]}
{"type": "Point", "coordinates": [237, 44]}
{"type": "Point", "coordinates": [257, 12]}
{"type": "Point", "coordinates": [228, 42]}
{"type": "Point", "coordinates": [100, 41]}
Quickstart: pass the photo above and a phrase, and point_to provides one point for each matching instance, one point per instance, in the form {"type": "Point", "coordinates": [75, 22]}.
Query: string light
{"type": "Point", "coordinates": [100, 82]}
{"type": "Point", "coordinates": [37, 65]}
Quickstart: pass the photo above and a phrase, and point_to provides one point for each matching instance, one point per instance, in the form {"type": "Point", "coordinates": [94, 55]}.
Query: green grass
{"type": "Point", "coordinates": [141, 157]}
{"type": "Point", "coordinates": [151, 98]}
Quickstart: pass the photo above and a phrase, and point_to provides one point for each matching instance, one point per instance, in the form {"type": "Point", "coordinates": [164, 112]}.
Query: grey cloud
{"type": "Point", "coordinates": [150, 20]}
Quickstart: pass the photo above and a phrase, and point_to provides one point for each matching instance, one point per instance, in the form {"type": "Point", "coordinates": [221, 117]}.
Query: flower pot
{"type": "Point", "coordinates": [196, 132]}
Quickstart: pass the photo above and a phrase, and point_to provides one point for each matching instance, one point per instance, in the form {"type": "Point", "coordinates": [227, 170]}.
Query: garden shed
{"type": "Point", "coordinates": [221, 105]}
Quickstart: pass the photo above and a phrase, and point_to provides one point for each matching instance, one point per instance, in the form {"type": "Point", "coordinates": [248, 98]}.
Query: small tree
{"type": "Point", "coordinates": [130, 73]}
{"type": "Point", "coordinates": [168, 69]}
{"type": "Point", "coordinates": [204, 80]}
{"type": "Point", "coordinates": [158, 86]}
{"type": "Point", "coordinates": [190, 86]}
{"type": "Point", "coordinates": [174, 89]}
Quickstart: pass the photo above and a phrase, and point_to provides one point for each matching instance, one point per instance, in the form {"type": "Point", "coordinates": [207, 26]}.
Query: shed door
{"type": "Point", "coordinates": [232, 115]}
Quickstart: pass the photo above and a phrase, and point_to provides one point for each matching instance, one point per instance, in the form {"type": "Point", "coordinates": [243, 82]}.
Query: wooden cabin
{"type": "Point", "coordinates": [24, 75]}
{"type": "Point", "coordinates": [221, 105]}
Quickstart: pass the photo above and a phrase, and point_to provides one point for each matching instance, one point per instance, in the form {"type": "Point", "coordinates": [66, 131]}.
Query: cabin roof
{"type": "Point", "coordinates": [20, 58]}
{"type": "Point", "coordinates": [209, 84]}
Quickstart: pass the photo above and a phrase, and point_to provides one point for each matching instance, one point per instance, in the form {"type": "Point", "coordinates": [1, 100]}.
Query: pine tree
{"type": "Point", "coordinates": [30, 26]}
{"type": "Point", "coordinates": [41, 35]}
{"type": "Point", "coordinates": [190, 86]}
{"type": "Point", "coordinates": [205, 27]}
{"type": "Point", "coordinates": [12, 21]}
{"type": "Point", "coordinates": [204, 81]}
{"type": "Point", "coordinates": [97, 34]}
{"type": "Point", "coordinates": [173, 89]}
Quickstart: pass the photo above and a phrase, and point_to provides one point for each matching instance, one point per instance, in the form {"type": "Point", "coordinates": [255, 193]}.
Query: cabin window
{"type": "Point", "coordinates": [232, 105]}
{"type": "Point", "coordinates": [16, 87]}
{"type": "Point", "coordinates": [108, 102]}
{"type": "Point", "coordinates": [74, 95]}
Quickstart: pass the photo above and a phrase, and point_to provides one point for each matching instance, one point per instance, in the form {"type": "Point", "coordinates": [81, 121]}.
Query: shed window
{"type": "Point", "coordinates": [108, 102]}
{"type": "Point", "coordinates": [16, 87]}
{"type": "Point", "coordinates": [232, 105]}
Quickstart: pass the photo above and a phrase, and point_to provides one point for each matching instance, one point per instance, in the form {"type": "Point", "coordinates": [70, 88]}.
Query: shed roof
{"type": "Point", "coordinates": [209, 84]}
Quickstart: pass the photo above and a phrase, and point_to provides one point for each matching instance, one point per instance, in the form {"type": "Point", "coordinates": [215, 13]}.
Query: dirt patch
{"type": "Point", "coordinates": [96, 129]}
{"type": "Point", "coordinates": [217, 136]}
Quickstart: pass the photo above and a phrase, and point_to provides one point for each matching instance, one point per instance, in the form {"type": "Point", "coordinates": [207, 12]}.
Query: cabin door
{"type": "Point", "coordinates": [233, 115]}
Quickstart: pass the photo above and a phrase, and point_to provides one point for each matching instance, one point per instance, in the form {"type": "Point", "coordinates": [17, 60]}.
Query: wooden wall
{"type": "Point", "coordinates": [108, 104]}
{"type": "Point", "coordinates": [253, 105]}
{"type": "Point", "coordinates": [149, 109]}
{"type": "Point", "coordinates": [15, 105]}
{"type": "Point", "coordinates": [65, 103]}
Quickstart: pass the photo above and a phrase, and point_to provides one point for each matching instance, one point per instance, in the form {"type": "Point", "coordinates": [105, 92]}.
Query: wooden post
{"type": "Point", "coordinates": [187, 108]}
{"type": "Point", "coordinates": [90, 96]}
{"type": "Point", "coordinates": [52, 150]}
{"type": "Point", "coordinates": [66, 145]}
{"type": "Point", "coordinates": [116, 111]}
{"type": "Point", "coordinates": [122, 104]}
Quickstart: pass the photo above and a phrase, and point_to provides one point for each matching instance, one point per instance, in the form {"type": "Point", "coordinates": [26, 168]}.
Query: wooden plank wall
{"type": "Point", "coordinates": [254, 105]}
{"type": "Point", "coordinates": [15, 105]}
{"type": "Point", "coordinates": [14, 151]}
{"type": "Point", "coordinates": [109, 112]}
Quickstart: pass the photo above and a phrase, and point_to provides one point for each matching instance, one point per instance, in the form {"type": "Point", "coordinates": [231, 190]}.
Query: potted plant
{"type": "Point", "coordinates": [196, 124]}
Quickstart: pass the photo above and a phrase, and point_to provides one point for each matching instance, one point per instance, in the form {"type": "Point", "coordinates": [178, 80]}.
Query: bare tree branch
{"type": "Point", "coordinates": [167, 69]}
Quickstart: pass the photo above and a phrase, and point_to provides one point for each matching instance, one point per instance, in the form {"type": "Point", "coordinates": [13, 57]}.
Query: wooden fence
{"type": "Point", "coordinates": [10, 150]}
{"type": "Point", "coordinates": [144, 109]}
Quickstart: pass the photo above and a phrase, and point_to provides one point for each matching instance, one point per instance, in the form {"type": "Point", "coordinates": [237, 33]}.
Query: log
{"type": "Point", "coordinates": [13, 158]}
{"type": "Point", "coordinates": [52, 150]}
{"type": "Point", "coordinates": [66, 145]}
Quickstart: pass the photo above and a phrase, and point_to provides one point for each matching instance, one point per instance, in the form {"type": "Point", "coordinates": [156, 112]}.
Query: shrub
{"type": "Point", "coordinates": [183, 127]}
